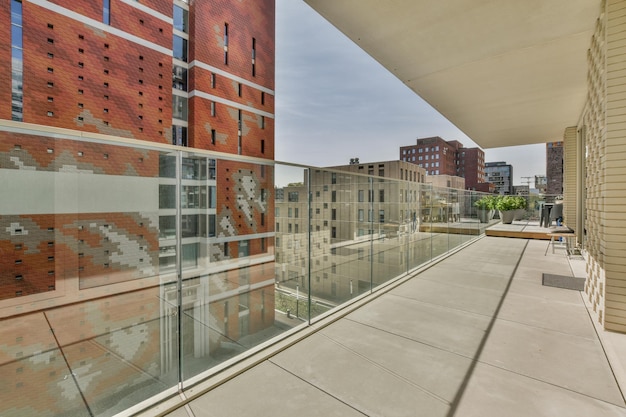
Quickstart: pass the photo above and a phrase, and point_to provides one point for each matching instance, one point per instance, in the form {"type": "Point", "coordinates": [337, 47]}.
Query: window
{"type": "Point", "coordinates": [179, 78]}
{"type": "Point", "coordinates": [181, 19]}
{"type": "Point", "coordinates": [243, 248]}
{"type": "Point", "coordinates": [333, 196]}
{"type": "Point", "coordinates": [292, 196]}
{"type": "Point", "coordinates": [179, 48]}
{"type": "Point", "coordinates": [333, 214]}
{"type": "Point", "coordinates": [381, 216]}
{"type": "Point", "coordinates": [179, 107]}
{"type": "Point", "coordinates": [361, 215]}
{"type": "Point", "coordinates": [179, 135]}
{"type": "Point", "coordinates": [213, 136]}
{"type": "Point", "coordinates": [333, 233]}
{"type": "Point", "coordinates": [106, 12]}
{"type": "Point", "coordinates": [225, 43]}
{"type": "Point", "coordinates": [253, 57]}
{"type": "Point", "coordinates": [333, 178]}
{"type": "Point", "coordinates": [361, 196]}
{"type": "Point", "coordinates": [17, 65]}
{"type": "Point", "coordinates": [381, 196]}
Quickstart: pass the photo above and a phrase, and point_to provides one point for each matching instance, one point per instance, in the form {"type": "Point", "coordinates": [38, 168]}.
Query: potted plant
{"type": "Point", "coordinates": [507, 205]}
{"type": "Point", "coordinates": [485, 207]}
{"type": "Point", "coordinates": [520, 211]}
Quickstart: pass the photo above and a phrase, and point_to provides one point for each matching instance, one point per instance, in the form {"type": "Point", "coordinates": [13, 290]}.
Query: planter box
{"type": "Point", "coordinates": [507, 216]}
{"type": "Point", "coordinates": [484, 215]}
{"type": "Point", "coordinates": [519, 214]}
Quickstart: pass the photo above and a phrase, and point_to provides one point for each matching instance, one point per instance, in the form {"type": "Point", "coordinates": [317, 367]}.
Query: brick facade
{"type": "Point", "coordinates": [85, 298]}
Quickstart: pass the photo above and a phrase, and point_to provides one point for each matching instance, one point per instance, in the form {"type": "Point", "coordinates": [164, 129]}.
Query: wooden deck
{"type": "Point", "coordinates": [520, 229]}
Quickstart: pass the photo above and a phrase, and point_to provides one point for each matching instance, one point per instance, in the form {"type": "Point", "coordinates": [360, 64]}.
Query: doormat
{"type": "Point", "coordinates": [563, 281]}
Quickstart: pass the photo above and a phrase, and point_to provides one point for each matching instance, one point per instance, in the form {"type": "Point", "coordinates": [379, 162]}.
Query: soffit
{"type": "Point", "coordinates": [505, 72]}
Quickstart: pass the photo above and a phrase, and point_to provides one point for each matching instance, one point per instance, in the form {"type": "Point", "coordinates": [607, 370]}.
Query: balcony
{"type": "Point", "coordinates": [138, 278]}
{"type": "Point", "coordinates": [476, 334]}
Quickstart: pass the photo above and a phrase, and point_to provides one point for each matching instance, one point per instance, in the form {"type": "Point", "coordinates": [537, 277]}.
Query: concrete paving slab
{"type": "Point", "coordinates": [485, 277]}
{"type": "Point", "coordinates": [571, 362]}
{"type": "Point", "coordinates": [535, 289]}
{"type": "Point", "coordinates": [494, 392]}
{"type": "Point", "coordinates": [461, 297]}
{"type": "Point", "coordinates": [434, 370]}
{"type": "Point", "coordinates": [566, 317]}
{"type": "Point", "coordinates": [267, 390]}
{"type": "Point", "coordinates": [367, 387]}
{"type": "Point", "coordinates": [456, 331]}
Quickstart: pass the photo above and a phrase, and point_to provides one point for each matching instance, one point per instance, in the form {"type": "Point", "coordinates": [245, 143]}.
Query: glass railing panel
{"type": "Point", "coordinates": [418, 238]}
{"type": "Point", "coordinates": [468, 222]}
{"type": "Point", "coordinates": [227, 260]}
{"type": "Point", "coordinates": [84, 227]}
{"type": "Point", "coordinates": [291, 225]}
{"type": "Point", "coordinates": [439, 209]}
{"type": "Point", "coordinates": [391, 223]}
{"type": "Point", "coordinates": [342, 211]}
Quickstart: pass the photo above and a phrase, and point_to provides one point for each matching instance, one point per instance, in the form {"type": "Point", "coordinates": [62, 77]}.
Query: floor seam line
{"type": "Point", "coordinates": [316, 387]}
{"type": "Point", "coordinates": [549, 383]}
{"type": "Point", "coordinates": [421, 342]}
{"type": "Point", "coordinates": [389, 371]}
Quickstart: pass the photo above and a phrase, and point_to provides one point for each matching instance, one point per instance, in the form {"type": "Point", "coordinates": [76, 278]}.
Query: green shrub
{"type": "Point", "coordinates": [487, 202]}
{"type": "Point", "coordinates": [510, 202]}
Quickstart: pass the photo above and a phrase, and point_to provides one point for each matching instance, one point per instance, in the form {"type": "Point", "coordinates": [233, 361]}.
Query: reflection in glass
{"type": "Point", "coordinates": [179, 50]}
{"type": "Point", "coordinates": [155, 265]}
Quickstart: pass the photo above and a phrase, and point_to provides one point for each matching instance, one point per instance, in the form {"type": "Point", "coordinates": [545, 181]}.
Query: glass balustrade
{"type": "Point", "coordinates": [130, 270]}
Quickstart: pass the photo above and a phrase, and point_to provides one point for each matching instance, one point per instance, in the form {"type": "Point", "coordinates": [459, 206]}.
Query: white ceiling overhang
{"type": "Point", "coordinates": [505, 72]}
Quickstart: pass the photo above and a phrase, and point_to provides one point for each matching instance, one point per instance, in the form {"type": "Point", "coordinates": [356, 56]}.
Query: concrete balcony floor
{"type": "Point", "coordinates": [477, 334]}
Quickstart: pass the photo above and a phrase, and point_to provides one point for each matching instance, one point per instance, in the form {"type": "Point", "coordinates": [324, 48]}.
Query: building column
{"type": "Point", "coordinates": [605, 149]}
{"type": "Point", "coordinates": [569, 179]}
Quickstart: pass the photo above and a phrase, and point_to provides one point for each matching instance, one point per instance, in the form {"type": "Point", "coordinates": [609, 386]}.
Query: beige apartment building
{"type": "Point", "coordinates": [348, 209]}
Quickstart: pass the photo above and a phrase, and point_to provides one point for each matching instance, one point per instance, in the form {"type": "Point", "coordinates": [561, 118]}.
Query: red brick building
{"type": "Point", "coordinates": [440, 157]}
{"type": "Point", "coordinates": [89, 236]}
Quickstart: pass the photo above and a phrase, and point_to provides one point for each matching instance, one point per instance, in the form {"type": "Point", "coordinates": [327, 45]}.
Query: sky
{"type": "Point", "coordinates": [335, 102]}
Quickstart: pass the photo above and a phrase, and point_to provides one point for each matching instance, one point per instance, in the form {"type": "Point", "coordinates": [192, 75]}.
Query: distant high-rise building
{"type": "Point", "coordinates": [501, 175]}
{"type": "Point", "coordinates": [523, 190]}
{"type": "Point", "coordinates": [554, 168]}
{"type": "Point", "coordinates": [440, 157]}
{"type": "Point", "coordinates": [541, 182]}
{"type": "Point", "coordinates": [471, 166]}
